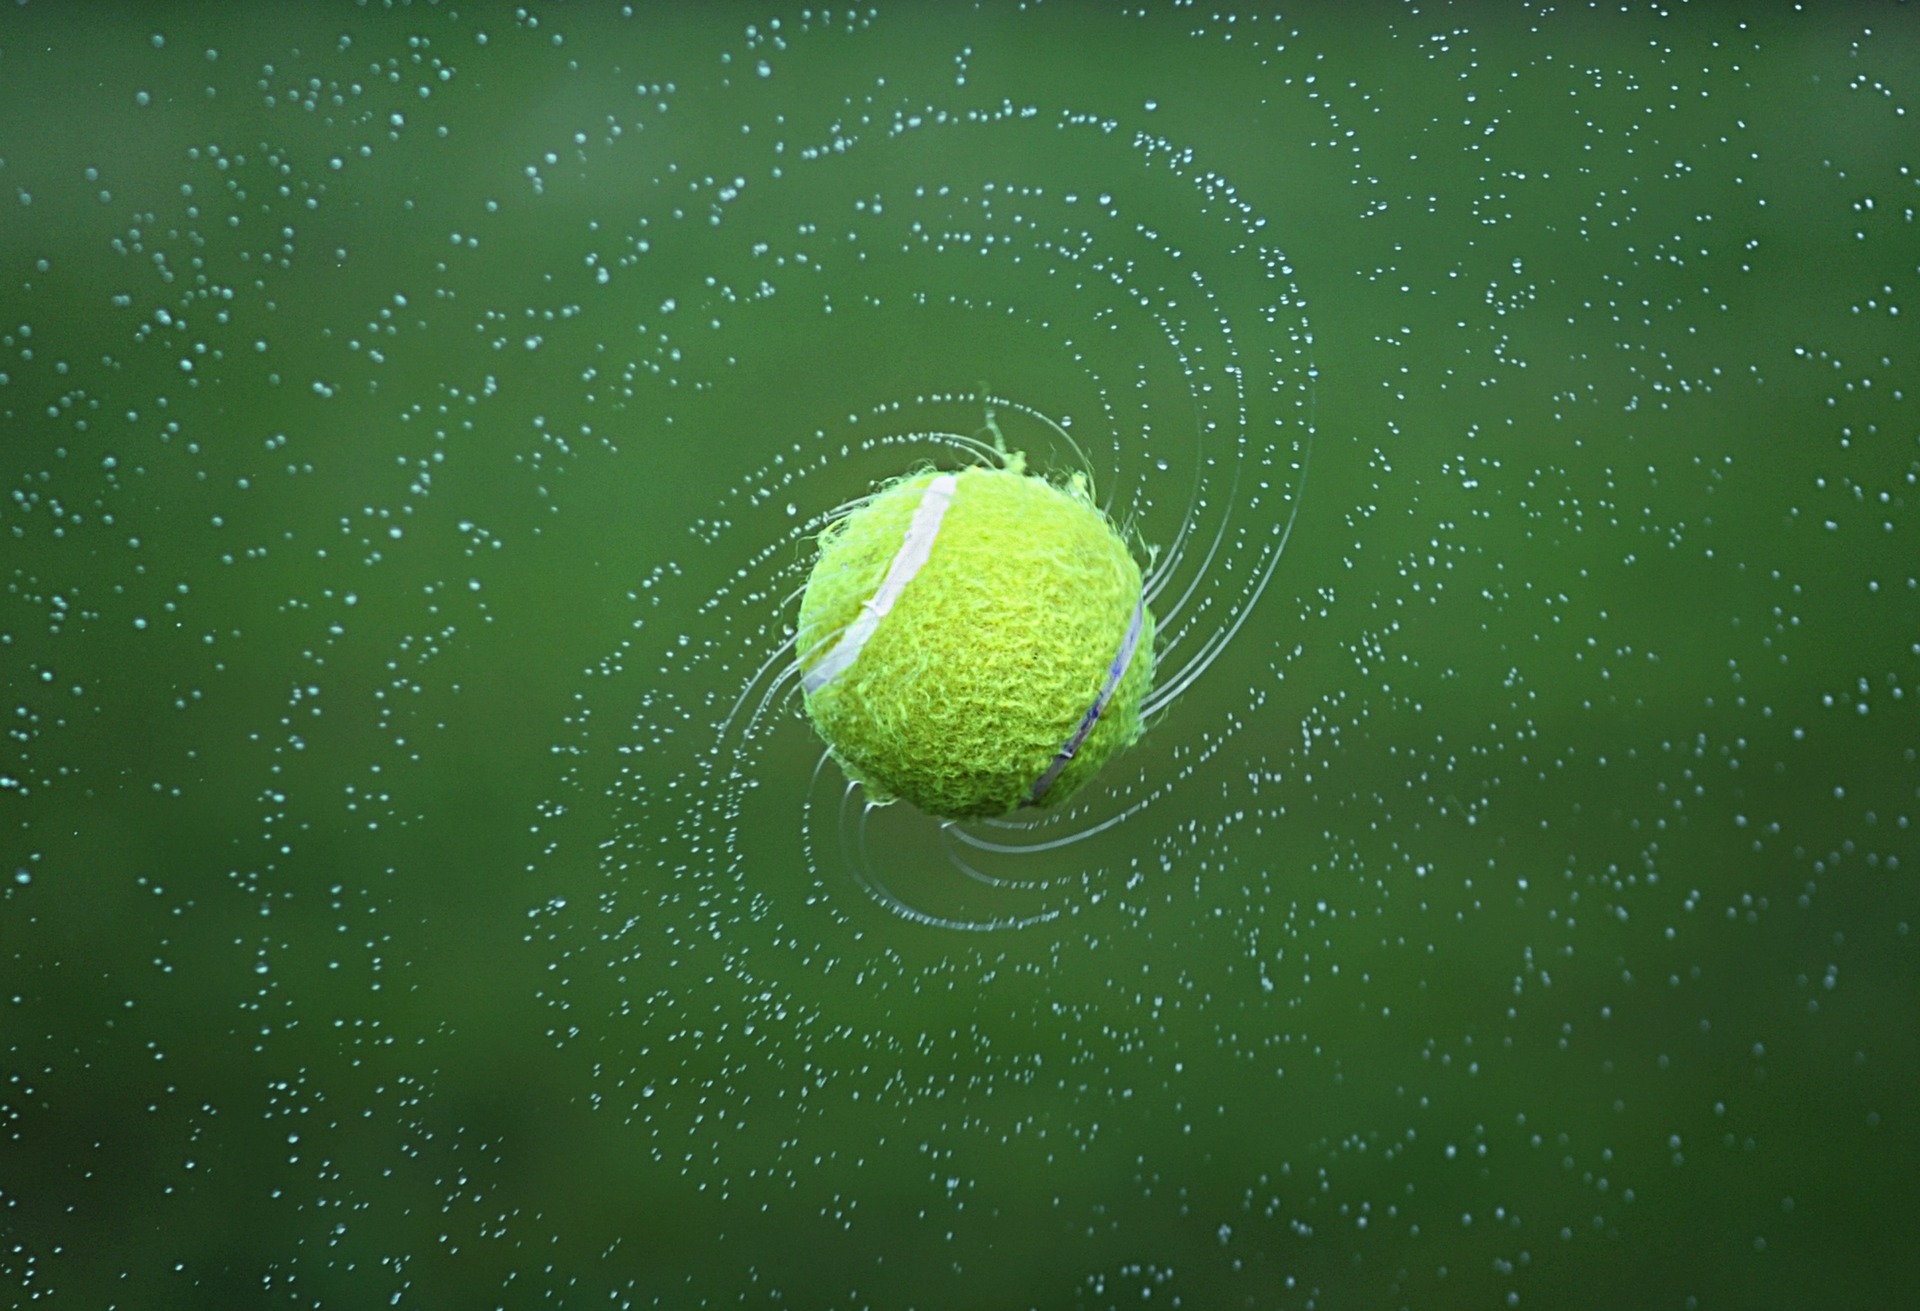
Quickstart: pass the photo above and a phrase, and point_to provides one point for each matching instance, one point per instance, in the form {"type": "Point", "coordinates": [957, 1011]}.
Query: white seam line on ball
{"type": "Point", "coordinates": [1115, 672]}
{"type": "Point", "coordinates": [913, 552]}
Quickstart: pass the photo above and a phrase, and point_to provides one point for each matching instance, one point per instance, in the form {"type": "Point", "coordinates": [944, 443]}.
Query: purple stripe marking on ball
{"type": "Point", "coordinates": [1114, 674]}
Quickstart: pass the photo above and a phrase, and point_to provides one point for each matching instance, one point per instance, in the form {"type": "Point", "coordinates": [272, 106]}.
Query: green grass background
{"type": "Point", "coordinates": [1523, 912]}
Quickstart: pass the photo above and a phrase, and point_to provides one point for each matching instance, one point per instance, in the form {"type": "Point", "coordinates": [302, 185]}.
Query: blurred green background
{"type": "Point", "coordinates": [418, 885]}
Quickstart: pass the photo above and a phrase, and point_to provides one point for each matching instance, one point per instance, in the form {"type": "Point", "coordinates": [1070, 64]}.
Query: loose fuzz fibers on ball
{"type": "Point", "coordinates": [975, 642]}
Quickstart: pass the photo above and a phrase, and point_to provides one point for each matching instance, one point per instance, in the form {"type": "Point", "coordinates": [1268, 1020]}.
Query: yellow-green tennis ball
{"type": "Point", "coordinates": [975, 642]}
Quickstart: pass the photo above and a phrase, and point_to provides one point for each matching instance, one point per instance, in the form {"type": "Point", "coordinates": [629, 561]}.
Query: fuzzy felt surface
{"type": "Point", "coordinates": [988, 659]}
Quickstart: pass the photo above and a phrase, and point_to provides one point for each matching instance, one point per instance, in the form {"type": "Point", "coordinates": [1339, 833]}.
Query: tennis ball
{"type": "Point", "coordinates": [974, 642]}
